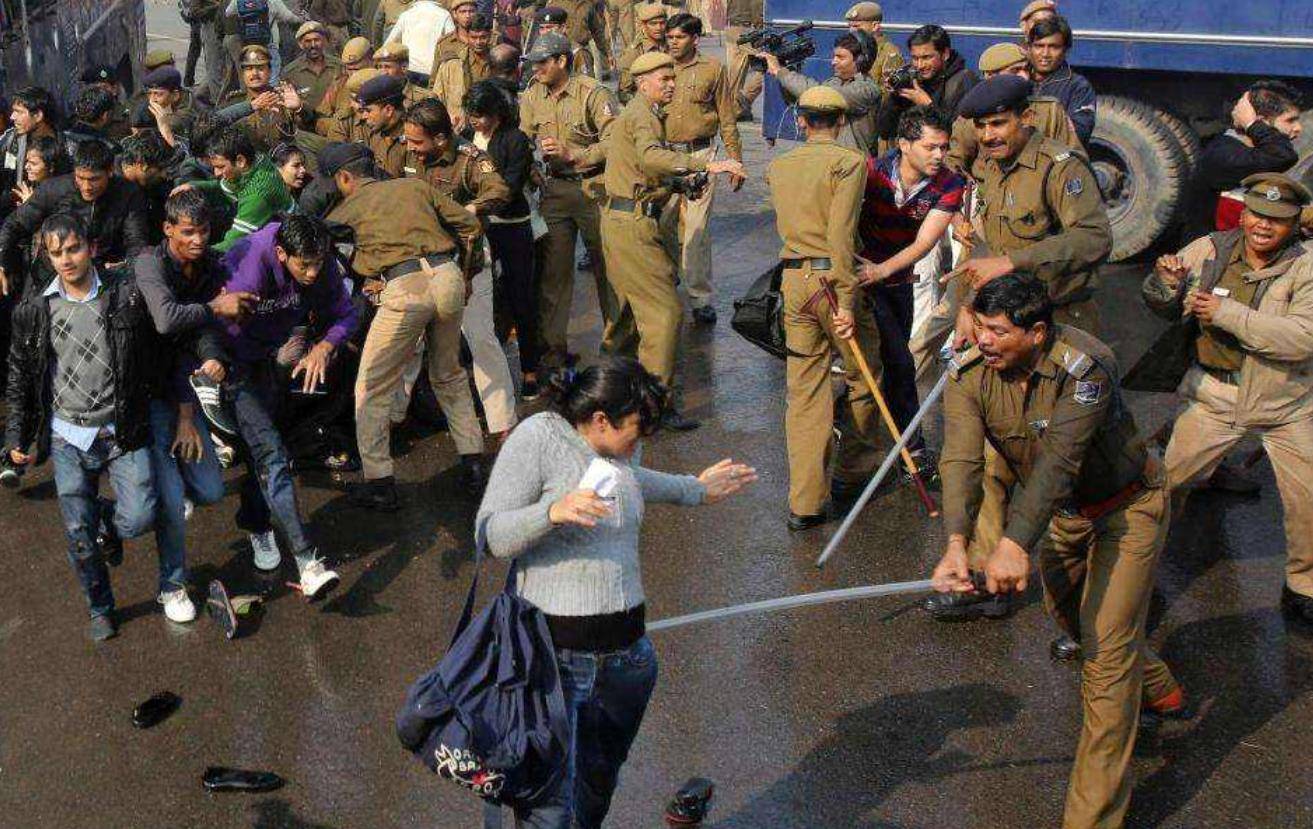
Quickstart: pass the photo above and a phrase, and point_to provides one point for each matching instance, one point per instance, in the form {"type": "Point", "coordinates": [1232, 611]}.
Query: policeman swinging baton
{"type": "Point", "coordinates": [930, 506]}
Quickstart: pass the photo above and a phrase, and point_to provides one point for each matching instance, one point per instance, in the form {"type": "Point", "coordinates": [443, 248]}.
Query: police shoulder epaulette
{"type": "Point", "coordinates": [469, 149]}
{"type": "Point", "coordinates": [960, 363]}
{"type": "Point", "coordinates": [1062, 156]}
{"type": "Point", "coordinates": [1074, 361]}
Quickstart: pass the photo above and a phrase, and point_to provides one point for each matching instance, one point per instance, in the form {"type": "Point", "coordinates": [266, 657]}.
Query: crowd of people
{"type": "Point", "coordinates": [257, 269]}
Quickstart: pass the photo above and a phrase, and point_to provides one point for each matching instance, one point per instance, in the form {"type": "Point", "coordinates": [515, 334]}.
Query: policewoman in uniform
{"type": "Point", "coordinates": [639, 165]}
{"type": "Point", "coordinates": [569, 118]}
{"type": "Point", "coordinates": [816, 190]}
{"type": "Point", "coordinates": [1088, 497]}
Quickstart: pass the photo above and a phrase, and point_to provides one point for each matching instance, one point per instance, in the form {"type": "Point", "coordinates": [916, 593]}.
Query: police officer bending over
{"type": "Point", "coordinates": [1088, 497]}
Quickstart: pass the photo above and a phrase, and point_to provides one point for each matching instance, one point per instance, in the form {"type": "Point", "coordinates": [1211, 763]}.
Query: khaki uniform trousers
{"type": "Point", "coordinates": [1098, 576]}
{"type": "Point", "coordinates": [1202, 437]}
{"type": "Point", "coordinates": [746, 81]}
{"type": "Point", "coordinates": [622, 20]}
{"type": "Point", "coordinates": [412, 305]}
{"type": "Point", "coordinates": [809, 409]}
{"type": "Point", "coordinates": [569, 212]}
{"type": "Point", "coordinates": [688, 224]}
{"type": "Point", "coordinates": [643, 275]}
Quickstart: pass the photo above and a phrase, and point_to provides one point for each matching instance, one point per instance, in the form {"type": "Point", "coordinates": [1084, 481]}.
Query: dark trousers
{"type": "Point", "coordinates": [512, 249]}
{"type": "Point", "coordinates": [892, 306]}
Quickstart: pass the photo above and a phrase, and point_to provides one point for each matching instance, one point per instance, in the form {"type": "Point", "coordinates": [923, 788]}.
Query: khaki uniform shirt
{"type": "Point", "coordinates": [704, 105]}
{"type": "Point", "coordinates": [1063, 430]}
{"type": "Point", "coordinates": [312, 86]}
{"type": "Point", "coordinates": [386, 17]}
{"type": "Point", "coordinates": [628, 86]}
{"type": "Point", "coordinates": [465, 173]}
{"type": "Point", "coordinates": [579, 116]}
{"type": "Point", "coordinates": [336, 95]}
{"type": "Point", "coordinates": [389, 146]}
{"type": "Point", "coordinates": [266, 127]}
{"type": "Point", "coordinates": [583, 23]}
{"type": "Point", "coordinates": [402, 219]}
{"type": "Point", "coordinates": [1049, 119]}
{"type": "Point", "coordinates": [1043, 210]}
{"type": "Point", "coordinates": [453, 78]}
{"type": "Point", "coordinates": [638, 162]}
{"type": "Point", "coordinates": [887, 59]}
{"type": "Point", "coordinates": [1218, 349]}
{"type": "Point", "coordinates": [817, 189]}
{"type": "Point", "coordinates": [745, 12]}
{"type": "Point", "coordinates": [343, 125]}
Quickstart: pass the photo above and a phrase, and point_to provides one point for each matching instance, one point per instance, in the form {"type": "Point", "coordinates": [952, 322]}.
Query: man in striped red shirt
{"type": "Point", "coordinates": [911, 197]}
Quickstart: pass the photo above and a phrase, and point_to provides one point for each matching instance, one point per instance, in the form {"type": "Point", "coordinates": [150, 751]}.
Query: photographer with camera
{"type": "Point", "coordinates": [851, 63]}
{"type": "Point", "coordinates": [936, 76]}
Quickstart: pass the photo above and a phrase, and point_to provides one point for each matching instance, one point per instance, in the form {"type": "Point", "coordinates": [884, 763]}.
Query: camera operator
{"type": "Point", "coordinates": [938, 77]}
{"type": "Point", "coordinates": [851, 63]}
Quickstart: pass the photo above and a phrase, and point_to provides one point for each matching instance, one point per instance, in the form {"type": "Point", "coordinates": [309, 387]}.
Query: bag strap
{"type": "Point", "coordinates": [467, 614]}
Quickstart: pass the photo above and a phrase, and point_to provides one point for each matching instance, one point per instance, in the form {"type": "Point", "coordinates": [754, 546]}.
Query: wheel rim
{"type": "Point", "coordinates": [1117, 184]}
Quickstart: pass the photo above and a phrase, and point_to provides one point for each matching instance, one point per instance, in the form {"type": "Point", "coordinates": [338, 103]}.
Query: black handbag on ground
{"type": "Point", "coordinates": [758, 315]}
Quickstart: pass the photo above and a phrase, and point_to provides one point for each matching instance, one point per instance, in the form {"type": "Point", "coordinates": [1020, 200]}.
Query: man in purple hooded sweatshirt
{"type": "Point", "coordinates": [290, 268]}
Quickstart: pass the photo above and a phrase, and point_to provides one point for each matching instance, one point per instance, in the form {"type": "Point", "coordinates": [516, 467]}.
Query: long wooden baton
{"type": "Point", "coordinates": [908, 461]}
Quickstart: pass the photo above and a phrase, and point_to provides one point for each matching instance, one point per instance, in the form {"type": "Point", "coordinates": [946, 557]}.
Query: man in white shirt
{"type": "Point", "coordinates": [420, 27]}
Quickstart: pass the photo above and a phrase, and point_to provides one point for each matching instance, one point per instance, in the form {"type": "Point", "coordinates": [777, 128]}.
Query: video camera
{"type": "Point", "coordinates": [791, 47]}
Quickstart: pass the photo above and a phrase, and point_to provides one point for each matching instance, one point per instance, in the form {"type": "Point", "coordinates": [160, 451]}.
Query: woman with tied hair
{"type": "Point", "coordinates": [566, 501]}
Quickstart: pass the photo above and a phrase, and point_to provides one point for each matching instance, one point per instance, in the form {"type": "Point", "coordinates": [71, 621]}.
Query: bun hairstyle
{"type": "Point", "coordinates": [617, 387]}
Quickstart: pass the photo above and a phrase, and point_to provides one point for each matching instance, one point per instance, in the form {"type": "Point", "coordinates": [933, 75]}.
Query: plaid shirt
{"type": "Point", "coordinates": [891, 218]}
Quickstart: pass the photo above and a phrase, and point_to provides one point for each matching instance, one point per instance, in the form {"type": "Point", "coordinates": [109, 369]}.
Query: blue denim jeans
{"type": "Point", "coordinates": [606, 695]}
{"type": "Point", "coordinates": [77, 479]}
{"type": "Point", "coordinates": [176, 480]}
{"type": "Point", "coordinates": [892, 306]}
{"type": "Point", "coordinates": [268, 493]}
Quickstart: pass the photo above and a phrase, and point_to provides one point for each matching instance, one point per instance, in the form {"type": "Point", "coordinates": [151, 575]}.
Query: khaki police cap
{"type": "Point", "coordinates": [1000, 56]}
{"type": "Point", "coordinates": [157, 58]}
{"type": "Point", "coordinates": [311, 26]}
{"type": "Point", "coordinates": [1275, 195]}
{"type": "Point", "coordinates": [1038, 6]}
{"type": "Point", "coordinates": [651, 11]}
{"type": "Point", "coordinates": [822, 99]}
{"type": "Point", "coordinates": [650, 61]}
{"type": "Point", "coordinates": [356, 50]}
{"type": "Point", "coordinates": [255, 56]}
{"type": "Point", "coordinates": [452, 5]}
{"type": "Point", "coordinates": [358, 78]}
{"type": "Point", "coordinates": [394, 51]}
{"type": "Point", "coordinates": [865, 13]}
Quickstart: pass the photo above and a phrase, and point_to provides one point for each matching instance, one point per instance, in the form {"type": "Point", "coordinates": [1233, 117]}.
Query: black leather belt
{"type": "Point", "coordinates": [650, 209]}
{"type": "Point", "coordinates": [690, 146]}
{"type": "Point", "coordinates": [412, 265]}
{"type": "Point", "coordinates": [1231, 378]}
{"type": "Point", "coordinates": [817, 263]}
{"type": "Point", "coordinates": [576, 177]}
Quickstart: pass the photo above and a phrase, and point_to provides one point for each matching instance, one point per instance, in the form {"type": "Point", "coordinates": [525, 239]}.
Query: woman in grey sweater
{"type": "Point", "coordinates": [565, 500]}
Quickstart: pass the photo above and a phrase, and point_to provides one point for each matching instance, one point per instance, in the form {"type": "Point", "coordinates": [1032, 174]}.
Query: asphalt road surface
{"type": "Point", "coordinates": [864, 714]}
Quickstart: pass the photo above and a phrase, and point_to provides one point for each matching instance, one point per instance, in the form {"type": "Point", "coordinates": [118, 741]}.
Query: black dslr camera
{"type": "Point", "coordinates": [792, 46]}
{"type": "Point", "coordinates": [904, 77]}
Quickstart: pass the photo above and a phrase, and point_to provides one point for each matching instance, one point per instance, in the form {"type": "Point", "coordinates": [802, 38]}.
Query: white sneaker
{"type": "Point", "coordinates": [187, 509]}
{"type": "Point", "coordinates": [267, 555]}
{"type": "Point", "coordinates": [178, 606]}
{"type": "Point", "coordinates": [223, 453]}
{"type": "Point", "coordinates": [316, 579]}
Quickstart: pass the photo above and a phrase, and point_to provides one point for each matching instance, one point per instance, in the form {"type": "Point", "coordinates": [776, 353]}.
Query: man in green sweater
{"type": "Point", "coordinates": [251, 182]}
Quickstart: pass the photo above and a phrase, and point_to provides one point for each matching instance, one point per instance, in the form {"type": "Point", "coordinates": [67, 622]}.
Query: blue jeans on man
{"type": "Point", "coordinates": [176, 481]}
{"type": "Point", "coordinates": [77, 481]}
{"type": "Point", "coordinates": [892, 306]}
{"type": "Point", "coordinates": [606, 695]}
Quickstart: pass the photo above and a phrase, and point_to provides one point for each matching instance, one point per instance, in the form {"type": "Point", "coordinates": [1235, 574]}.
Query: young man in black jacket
{"type": "Point", "coordinates": [82, 372]}
{"type": "Point", "coordinates": [112, 210]}
{"type": "Point", "coordinates": [942, 79]}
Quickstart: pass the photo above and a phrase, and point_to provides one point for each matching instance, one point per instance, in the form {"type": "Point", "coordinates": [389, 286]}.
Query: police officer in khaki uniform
{"type": "Point", "coordinates": [584, 23]}
{"type": "Point", "coordinates": [356, 54]}
{"type": "Point", "coordinates": [1088, 497]}
{"type": "Point", "coordinates": [817, 192]}
{"type": "Point", "coordinates": [1246, 299]}
{"type": "Point", "coordinates": [570, 118]}
{"type": "Point", "coordinates": [747, 80]}
{"type": "Point", "coordinates": [652, 38]}
{"type": "Point", "coordinates": [382, 103]}
{"type": "Point", "coordinates": [869, 18]}
{"type": "Point", "coordinates": [451, 165]}
{"type": "Point", "coordinates": [271, 122]}
{"type": "Point", "coordinates": [455, 44]}
{"type": "Point", "coordinates": [347, 123]}
{"type": "Point", "coordinates": [639, 165]}
{"type": "Point", "coordinates": [703, 107]}
{"type": "Point", "coordinates": [555, 19]}
{"type": "Point", "coordinates": [392, 59]}
{"type": "Point", "coordinates": [416, 249]}
{"type": "Point", "coordinates": [313, 71]}
{"type": "Point", "coordinates": [465, 65]}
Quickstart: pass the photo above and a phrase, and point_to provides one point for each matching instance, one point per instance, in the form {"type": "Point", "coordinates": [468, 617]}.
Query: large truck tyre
{"type": "Point", "coordinates": [1186, 138]}
{"type": "Point", "coordinates": [1142, 172]}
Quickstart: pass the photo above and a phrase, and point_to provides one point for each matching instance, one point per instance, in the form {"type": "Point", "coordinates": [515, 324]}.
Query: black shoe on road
{"type": "Point", "coordinates": [966, 607]}
{"type": "Point", "coordinates": [473, 473]}
{"type": "Point", "coordinates": [798, 523]}
{"type": "Point", "coordinates": [379, 494]}
{"type": "Point", "coordinates": [675, 421]}
{"type": "Point", "coordinates": [1064, 649]}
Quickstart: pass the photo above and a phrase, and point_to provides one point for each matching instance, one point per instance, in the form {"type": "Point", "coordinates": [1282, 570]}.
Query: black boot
{"type": "Point", "coordinates": [966, 607]}
{"type": "Point", "coordinates": [379, 494]}
{"type": "Point", "coordinates": [674, 421]}
{"type": "Point", "coordinates": [1297, 607]}
{"type": "Point", "coordinates": [1064, 649]}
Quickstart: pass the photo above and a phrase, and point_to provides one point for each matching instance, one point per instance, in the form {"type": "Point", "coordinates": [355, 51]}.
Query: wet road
{"type": "Point", "coordinates": [864, 714]}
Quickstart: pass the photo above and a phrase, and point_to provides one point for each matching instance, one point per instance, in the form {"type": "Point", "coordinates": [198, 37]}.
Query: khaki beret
{"type": "Point", "coordinates": [356, 50]}
{"type": "Point", "coordinates": [1038, 6]}
{"type": "Point", "coordinates": [822, 99]}
{"type": "Point", "coordinates": [255, 56]}
{"type": "Point", "coordinates": [649, 62]}
{"type": "Point", "coordinates": [1000, 56]}
{"type": "Point", "coordinates": [865, 13]}
{"type": "Point", "coordinates": [358, 78]}
{"type": "Point", "coordinates": [309, 27]}
{"type": "Point", "coordinates": [651, 11]}
{"type": "Point", "coordinates": [1275, 195]}
{"type": "Point", "coordinates": [157, 58]}
{"type": "Point", "coordinates": [393, 51]}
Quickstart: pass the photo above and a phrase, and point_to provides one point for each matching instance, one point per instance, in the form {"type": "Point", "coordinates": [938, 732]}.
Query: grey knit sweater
{"type": "Point", "coordinates": [569, 570]}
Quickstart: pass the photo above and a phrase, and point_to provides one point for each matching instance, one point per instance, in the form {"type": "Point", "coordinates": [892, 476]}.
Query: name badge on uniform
{"type": "Point", "coordinates": [1088, 392]}
{"type": "Point", "coordinates": [1221, 292]}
